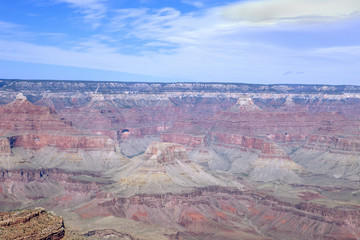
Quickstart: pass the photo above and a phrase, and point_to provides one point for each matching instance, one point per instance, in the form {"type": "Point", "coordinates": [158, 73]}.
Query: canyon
{"type": "Point", "coordinates": [125, 160]}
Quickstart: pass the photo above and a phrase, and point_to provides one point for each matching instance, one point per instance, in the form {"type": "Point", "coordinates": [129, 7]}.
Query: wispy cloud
{"type": "Point", "coordinates": [93, 10]}
{"type": "Point", "coordinates": [7, 26]}
{"type": "Point", "coordinates": [13, 31]}
{"type": "Point", "coordinates": [344, 54]}
{"type": "Point", "coordinates": [209, 44]}
{"type": "Point", "coordinates": [210, 62]}
{"type": "Point", "coordinates": [197, 4]}
{"type": "Point", "coordinates": [275, 11]}
{"type": "Point", "coordinates": [165, 26]}
{"type": "Point", "coordinates": [22, 33]}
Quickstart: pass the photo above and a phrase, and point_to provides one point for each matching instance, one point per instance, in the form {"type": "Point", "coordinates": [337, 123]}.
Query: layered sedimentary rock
{"type": "Point", "coordinates": [31, 224]}
{"type": "Point", "coordinates": [166, 152]}
{"type": "Point", "coordinates": [216, 212]}
{"type": "Point", "coordinates": [261, 146]}
{"type": "Point", "coordinates": [5, 145]}
{"type": "Point", "coordinates": [62, 142]}
{"type": "Point", "coordinates": [334, 144]}
{"type": "Point", "coordinates": [36, 135]}
{"type": "Point", "coordinates": [30, 126]}
{"type": "Point", "coordinates": [184, 160]}
{"type": "Point", "coordinates": [164, 167]}
{"type": "Point", "coordinates": [23, 116]}
{"type": "Point", "coordinates": [55, 187]}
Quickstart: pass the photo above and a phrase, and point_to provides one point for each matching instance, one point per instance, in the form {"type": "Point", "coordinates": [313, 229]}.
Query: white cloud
{"type": "Point", "coordinates": [350, 52]}
{"type": "Point", "coordinates": [275, 11]}
{"type": "Point", "coordinates": [201, 46]}
{"type": "Point", "coordinates": [13, 31]}
{"type": "Point", "coordinates": [229, 62]}
{"type": "Point", "coordinates": [93, 10]}
{"type": "Point", "coordinates": [166, 26]}
{"type": "Point", "coordinates": [6, 26]}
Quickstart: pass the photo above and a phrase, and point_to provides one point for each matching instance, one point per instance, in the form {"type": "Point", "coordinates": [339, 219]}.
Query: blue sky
{"type": "Point", "coordinates": [251, 41]}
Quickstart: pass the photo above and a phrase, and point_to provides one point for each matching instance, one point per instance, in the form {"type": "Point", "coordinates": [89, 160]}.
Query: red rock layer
{"type": "Point", "coordinates": [37, 141]}
{"type": "Point", "coordinates": [334, 144]}
{"type": "Point", "coordinates": [189, 120]}
{"type": "Point", "coordinates": [281, 124]}
{"type": "Point", "coordinates": [30, 126]}
{"type": "Point", "coordinates": [264, 148]}
{"type": "Point", "coordinates": [109, 117]}
{"type": "Point", "coordinates": [22, 116]}
{"type": "Point", "coordinates": [216, 210]}
{"type": "Point", "coordinates": [184, 139]}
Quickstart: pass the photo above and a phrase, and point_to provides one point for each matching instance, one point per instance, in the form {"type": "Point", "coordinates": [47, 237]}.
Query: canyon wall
{"type": "Point", "coordinates": [206, 160]}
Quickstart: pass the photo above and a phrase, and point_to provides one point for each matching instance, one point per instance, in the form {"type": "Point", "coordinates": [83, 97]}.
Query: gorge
{"type": "Point", "coordinates": [183, 160]}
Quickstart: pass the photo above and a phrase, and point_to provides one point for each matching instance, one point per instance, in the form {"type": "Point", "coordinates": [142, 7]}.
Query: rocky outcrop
{"type": "Point", "coordinates": [31, 224]}
{"type": "Point", "coordinates": [4, 145]}
{"type": "Point", "coordinates": [244, 104]}
{"type": "Point", "coordinates": [166, 152]}
{"type": "Point", "coordinates": [109, 234]}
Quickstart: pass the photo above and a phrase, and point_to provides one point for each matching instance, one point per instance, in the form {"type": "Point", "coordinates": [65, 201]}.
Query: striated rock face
{"type": "Point", "coordinates": [31, 224]}
{"type": "Point", "coordinates": [55, 187]}
{"type": "Point", "coordinates": [264, 148]}
{"type": "Point", "coordinates": [244, 104]}
{"type": "Point", "coordinates": [33, 127]}
{"type": "Point", "coordinates": [208, 161]}
{"type": "Point", "coordinates": [216, 210]}
{"type": "Point", "coordinates": [4, 145]}
{"type": "Point", "coordinates": [164, 167]}
{"type": "Point", "coordinates": [185, 132]}
{"type": "Point", "coordinates": [334, 144]}
{"type": "Point", "coordinates": [38, 141]}
{"type": "Point", "coordinates": [184, 139]}
{"type": "Point", "coordinates": [166, 152]}
{"type": "Point", "coordinates": [23, 116]}
{"type": "Point", "coordinates": [36, 136]}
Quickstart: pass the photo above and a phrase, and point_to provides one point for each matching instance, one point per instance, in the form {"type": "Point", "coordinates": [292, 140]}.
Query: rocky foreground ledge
{"type": "Point", "coordinates": [38, 224]}
{"type": "Point", "coordinates": [31, 224]}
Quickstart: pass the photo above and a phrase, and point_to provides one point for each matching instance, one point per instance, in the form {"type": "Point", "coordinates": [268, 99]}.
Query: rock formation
{"type": "Point", "coordinates": [183, 160]}
{"type": "Point", "coordinates": [5, 145]}
{"type": "Point", "coordinates": [31, 224]}
{"type": "Point", "coordinates": [164, 167]}
{"type": "Point", "coordinates": [33, 127]}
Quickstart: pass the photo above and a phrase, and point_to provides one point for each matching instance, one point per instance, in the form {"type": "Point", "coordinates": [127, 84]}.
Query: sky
{"type": "Point", "coordinates": [248, 41]}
